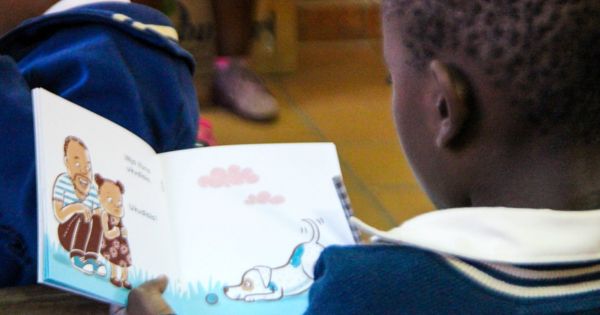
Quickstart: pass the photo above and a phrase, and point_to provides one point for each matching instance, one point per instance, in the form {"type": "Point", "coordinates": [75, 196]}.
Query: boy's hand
{"type": "Point", "coordinates": [146, 299]}
{"type": "Point", "coordinates": [124, 232]}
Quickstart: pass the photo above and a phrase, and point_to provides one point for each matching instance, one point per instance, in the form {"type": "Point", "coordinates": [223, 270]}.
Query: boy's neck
{"type": "Point", "coordinates": [532, 178]}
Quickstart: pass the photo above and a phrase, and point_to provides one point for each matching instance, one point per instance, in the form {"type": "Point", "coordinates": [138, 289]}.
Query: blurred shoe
{"type": "Point", "coordinates": [241, 90]}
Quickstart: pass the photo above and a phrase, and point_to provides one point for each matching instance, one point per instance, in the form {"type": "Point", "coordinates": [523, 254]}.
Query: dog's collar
{"type": "Point", "coordinates": [503, 235]}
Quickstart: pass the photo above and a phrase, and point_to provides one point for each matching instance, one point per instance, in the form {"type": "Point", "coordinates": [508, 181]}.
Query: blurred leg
{"type": "Point", "coordinates": [233, 21]}
{"type": "Point", "coordinates": [235, 86]}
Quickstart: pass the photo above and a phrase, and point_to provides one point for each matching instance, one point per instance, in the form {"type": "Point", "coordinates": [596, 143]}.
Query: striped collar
{"type": "Point", "coordinates": [546, 281]}
{"type": "Point", "coordinates": [64, 5]}
{"type": "Point", "coordinates": [501, 235]}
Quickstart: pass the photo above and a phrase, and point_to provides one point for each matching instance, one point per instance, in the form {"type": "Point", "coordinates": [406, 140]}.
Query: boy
{"type": "Point", "coordinates": [118, 59]}
{"type": "Point", "coordinates": [497, 104]}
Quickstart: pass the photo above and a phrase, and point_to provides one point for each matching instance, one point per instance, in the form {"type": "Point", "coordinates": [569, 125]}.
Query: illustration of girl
{"type": "Point", "coordinates": [115, 247]}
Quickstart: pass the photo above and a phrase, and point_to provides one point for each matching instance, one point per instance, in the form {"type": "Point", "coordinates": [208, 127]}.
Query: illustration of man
{"type": "Point", "coordinates": [76, 206]}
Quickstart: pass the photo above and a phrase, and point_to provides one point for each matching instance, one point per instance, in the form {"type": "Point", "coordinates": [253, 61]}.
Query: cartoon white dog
{"type": "Point", "coordinates": [295, 277]}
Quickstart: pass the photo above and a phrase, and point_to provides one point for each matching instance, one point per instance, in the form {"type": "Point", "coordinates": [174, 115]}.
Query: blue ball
{"type": "Point", "coordinates": [212, 299]}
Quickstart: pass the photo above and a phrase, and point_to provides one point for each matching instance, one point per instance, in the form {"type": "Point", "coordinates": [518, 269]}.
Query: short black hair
{"type": "Point", "coordinates": [545, 52]}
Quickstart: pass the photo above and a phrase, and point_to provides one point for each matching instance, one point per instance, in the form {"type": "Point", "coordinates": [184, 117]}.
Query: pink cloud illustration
{"type": "Point", "coordinates": [264, 197]}
{"type": "Point", "coordinates": [232, 176]}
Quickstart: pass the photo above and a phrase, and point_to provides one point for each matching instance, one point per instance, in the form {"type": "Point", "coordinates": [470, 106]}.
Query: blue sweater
{"type": "Point", "coordinates": [393, 279]}
{"type": "Point", "coordinates": [132, 76]}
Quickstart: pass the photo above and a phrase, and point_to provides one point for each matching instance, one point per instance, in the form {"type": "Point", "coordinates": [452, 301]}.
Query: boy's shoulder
{"type": "Point", "coordinates": [393, 279]}
{"type": "Point", "coordinates": [365, 265]}
{"type": "Point", "coordinates": [137, 22]}
{"type": "Point", "coordinates": [378, 279]}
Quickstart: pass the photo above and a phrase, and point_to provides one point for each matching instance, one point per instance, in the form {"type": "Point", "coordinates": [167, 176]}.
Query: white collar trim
{"type": "Point", "coordinates": [503, 235]}
{"type": "Point", "coordinates": [64, 5]}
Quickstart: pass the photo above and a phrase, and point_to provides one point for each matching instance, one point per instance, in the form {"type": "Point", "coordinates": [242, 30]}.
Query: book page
{"type": "Point", "coordinates": [251, 222]}
{"type": "Point", "coordinates": [103, 223]}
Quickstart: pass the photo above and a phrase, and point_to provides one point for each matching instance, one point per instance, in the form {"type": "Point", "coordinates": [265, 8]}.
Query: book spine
{"type": "Point", "coordinates": [345, 201]}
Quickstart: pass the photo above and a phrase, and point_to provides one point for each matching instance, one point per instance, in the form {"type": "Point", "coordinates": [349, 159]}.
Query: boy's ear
{"type": "Point", "coordinates": [452, 102]}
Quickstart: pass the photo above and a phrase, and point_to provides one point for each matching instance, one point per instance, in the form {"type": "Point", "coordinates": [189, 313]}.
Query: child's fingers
{"type": "Point", "coordinates": [147, 298]}
{"type": "Point", "coordinates": [159, 284]}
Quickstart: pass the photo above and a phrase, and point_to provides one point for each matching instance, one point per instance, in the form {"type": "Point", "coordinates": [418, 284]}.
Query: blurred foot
{"type": "Point", "coordinates": [242, 91]}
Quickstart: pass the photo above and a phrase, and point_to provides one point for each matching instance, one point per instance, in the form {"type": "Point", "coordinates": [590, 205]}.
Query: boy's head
{"type": "Point", "coordinates": [490, 96]}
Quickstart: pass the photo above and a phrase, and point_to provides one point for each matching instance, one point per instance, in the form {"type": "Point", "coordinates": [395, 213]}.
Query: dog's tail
{"type": "Point", "coordinates": [315, 229]}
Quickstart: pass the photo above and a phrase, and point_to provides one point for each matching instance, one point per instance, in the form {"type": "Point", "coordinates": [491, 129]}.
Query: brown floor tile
{"type": "Point", "coordinates": [355, 118]}
{"type": "Point", "coordinates": [377, 163]}
{"type": "Point", "coordinates": [231, 129]}
{"type": "Point", "coordinates": [341, 87]}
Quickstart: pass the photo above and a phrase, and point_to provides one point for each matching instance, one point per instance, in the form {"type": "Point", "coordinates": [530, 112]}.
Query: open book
{"type": "Point", "coordinates": [237, 229]}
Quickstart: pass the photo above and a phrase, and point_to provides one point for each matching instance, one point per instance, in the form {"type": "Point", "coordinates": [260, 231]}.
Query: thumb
{"type": "Point", "coordinates": [159, 284]}
{"type": "Point", "coordinates": [147, 298]}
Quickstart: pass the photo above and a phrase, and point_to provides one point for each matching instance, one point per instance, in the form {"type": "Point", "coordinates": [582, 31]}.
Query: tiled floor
{"type": "Point", "coordinates": [339, 94]}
